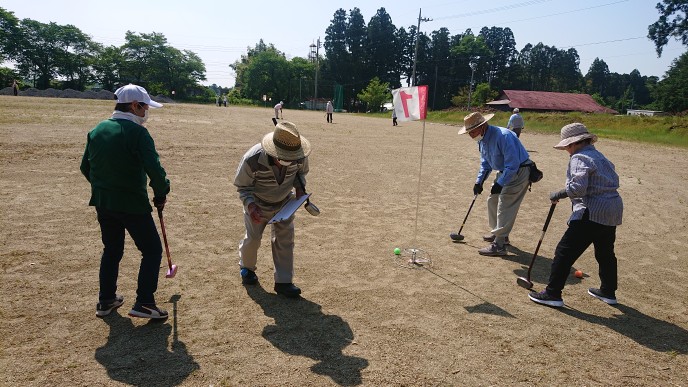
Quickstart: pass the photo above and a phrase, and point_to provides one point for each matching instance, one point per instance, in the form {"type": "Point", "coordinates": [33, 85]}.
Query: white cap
{"type": "Point", "coordinates": [515, 110]}
{"type": "Point", "coordinates": [133, 93]}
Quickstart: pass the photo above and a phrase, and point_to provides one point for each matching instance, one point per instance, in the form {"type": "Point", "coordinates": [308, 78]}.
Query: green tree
{"type": "Point", "coordinates": [375, 94]}
{"type": "Point", "coordinates": [107, 66]}
{"type": "Point", "coordinates": [338, 57]}
{"type": "Point", "coordinates": [9, 35]}
{"type": "Point", "coordinates": [502, 53]}
{"type": "Point", "coordinates": [672, 22]}
{"type": "Point", "coordinates": [597, 77]}
{"type": "Point", "coordinates": [482, 94]}
{"type": "Point", "coordinates": [265, 71]}
{"type": "Point", "coordinates": [380, 48]}
{"type": "Point", "coordinates": [671, 93]}
{"type": "Point", "coordinates": [356, 35]}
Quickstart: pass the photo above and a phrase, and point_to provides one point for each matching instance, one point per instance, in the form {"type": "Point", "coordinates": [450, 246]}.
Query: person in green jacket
{"type": "Point", "coordinates": [119, 159]}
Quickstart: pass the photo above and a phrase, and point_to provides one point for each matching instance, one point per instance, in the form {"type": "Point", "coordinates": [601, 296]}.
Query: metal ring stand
{"type": "Point", "coordinates": [413, 259]}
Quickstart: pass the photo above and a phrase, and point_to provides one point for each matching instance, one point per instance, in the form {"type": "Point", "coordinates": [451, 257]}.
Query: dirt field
{"type": "Point", "coordinates": [364, 319]}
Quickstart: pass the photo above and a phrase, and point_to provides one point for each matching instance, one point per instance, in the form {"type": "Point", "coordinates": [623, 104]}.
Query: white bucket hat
{"type": "Point", "coordinates": [474, 120]}
{"type": "Point", "coordinates": [134, 93]}
{"type": "Point", "coordinates": [572, 133]}
{"type": "Point", "coordinates": [285, 143]}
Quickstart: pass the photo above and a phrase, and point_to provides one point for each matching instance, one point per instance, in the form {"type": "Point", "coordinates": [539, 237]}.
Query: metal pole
{"type": "Point", "coordinates": [470, 86]}
{"type": "Point", "coordinates": [317, 65]}
{"type": "Point", "coordinates": [415, 53]}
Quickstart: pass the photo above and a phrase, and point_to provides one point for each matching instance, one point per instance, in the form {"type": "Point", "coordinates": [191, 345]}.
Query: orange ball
{"type": "Point", "coordinates": [578, 274]}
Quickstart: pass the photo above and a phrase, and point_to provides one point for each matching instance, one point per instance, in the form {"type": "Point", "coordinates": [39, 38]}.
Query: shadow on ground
{"type": "Point", "coordinates": [302, 329]}
{"type": "Point", "coordinates": [139, 356]}
{"type": "Point", "coordinates": [655, 334]}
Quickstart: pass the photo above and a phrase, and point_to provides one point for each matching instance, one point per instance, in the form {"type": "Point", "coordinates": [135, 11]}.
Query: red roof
{"type": "Point", "coordinates": [545, 100]}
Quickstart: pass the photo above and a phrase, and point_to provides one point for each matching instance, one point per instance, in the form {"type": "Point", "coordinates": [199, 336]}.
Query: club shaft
{"type": "Point", "coordinates": [164, 239]}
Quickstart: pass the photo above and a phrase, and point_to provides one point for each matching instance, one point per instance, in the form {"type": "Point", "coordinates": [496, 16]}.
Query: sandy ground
{"type": "Point", "coordinates": [365, 318]}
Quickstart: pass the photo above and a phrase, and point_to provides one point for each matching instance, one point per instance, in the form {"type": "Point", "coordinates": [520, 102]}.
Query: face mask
{"type": "Point", "coordinates": [478, 138]}
{"type": "Point", "coordinates": [284, 163]}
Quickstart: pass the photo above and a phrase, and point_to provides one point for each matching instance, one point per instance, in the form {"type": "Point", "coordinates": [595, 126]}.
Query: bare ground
{"type": "Point", "coordinates": [365, 318]}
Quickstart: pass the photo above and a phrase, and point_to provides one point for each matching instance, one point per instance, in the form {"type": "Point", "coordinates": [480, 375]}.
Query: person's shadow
{"type": "Point", "coordinates": [657, 335]}
{"type": "Point", "coordinates": [302, 329]}
{"type": "Point", "coordinates": [139, 355]}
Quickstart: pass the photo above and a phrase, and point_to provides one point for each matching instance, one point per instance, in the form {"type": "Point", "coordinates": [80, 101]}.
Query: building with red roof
{"type": "Point", "coordinates": [547, 101]}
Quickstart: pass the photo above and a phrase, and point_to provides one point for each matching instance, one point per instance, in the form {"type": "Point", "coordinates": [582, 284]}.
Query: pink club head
{"type": "Point", "coordinates": [171, 272]}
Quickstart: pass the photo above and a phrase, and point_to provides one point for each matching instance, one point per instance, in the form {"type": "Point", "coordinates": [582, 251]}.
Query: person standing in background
{"type": "Point", "coordinates": [329, 109]}
{"type": "Point", "coordinates": [278, 109]}
{"type": "Point", "coordinates": [394, 117]}
{"type": "Point", "coordinates": [15, 88]}
{"type": "Point", "coordinates": [516, 123]}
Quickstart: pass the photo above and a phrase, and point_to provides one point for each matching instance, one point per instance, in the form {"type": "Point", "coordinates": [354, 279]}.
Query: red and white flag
{"type": "Point", "coordinates": [410, 103]}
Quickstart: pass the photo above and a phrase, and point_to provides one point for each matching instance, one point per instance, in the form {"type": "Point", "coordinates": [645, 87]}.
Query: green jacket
{"type": "Point", "coordinates": [119, 155]}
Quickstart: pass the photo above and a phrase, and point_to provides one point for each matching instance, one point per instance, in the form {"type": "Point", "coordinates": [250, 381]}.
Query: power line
{"type": "Point", "coordinates": [493, 10]}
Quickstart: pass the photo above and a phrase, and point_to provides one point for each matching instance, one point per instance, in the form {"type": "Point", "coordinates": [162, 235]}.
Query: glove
{"type": "Point", "coordinates": [556, 195]}
{"type": "Point", "coordinates": [477, 189]}
{"type": "Point", "coordinates": [159, 202]}
{"type": "Point", "coordinates": [255, 213]}
{"type": "Point", "coordinates": [496, 189]}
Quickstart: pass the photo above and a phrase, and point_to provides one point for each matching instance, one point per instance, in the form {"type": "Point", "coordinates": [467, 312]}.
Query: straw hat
{"type": "Point", "coordinates": [573, 133]}
{"type": "Point", "coordinates": [474, 120]}
{"type": "Point", "coordinates": [285, 143]}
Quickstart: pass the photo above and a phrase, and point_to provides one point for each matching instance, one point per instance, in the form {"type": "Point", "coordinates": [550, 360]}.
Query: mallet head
{"type": "Point", "coordinates": [311, 208]}
{"type": "Point", "coordinates": [524, 283]}
{"type": "Point", "coordinates": [171, 272]}
{"type": "Point", "coordinates": [456, 237]}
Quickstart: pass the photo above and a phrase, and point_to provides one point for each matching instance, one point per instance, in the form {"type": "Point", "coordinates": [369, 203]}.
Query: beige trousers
{"type": "Point", "coordinates": [282, 241]}
{"type": "Point", "coordinates": [503, 208]}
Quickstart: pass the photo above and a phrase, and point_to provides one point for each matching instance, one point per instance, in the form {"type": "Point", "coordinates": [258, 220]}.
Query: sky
{"type": "Point", "coordinates": [221, 31]}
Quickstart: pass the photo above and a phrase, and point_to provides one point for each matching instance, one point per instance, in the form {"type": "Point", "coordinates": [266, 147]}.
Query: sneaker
{"type": "Point", "coordinates": [148, 311]}
{"type": "Point", "coordinates": [491, 237]}
{"type": "Point", "coordinates": [248, 277]}
{"type": "Point", "coordinates": [288, 290]}
{"type": "Point", "coordinates": [493, 250]}
{"type": "Point", "coordinates": [104, 308]}
{"type": "Point", "coordinates": [545, 299]}
{"type": "Point", "coordinates": [599, 294]}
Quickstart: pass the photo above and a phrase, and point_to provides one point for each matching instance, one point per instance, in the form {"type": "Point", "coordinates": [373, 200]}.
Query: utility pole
{"type": "Point", "coordinates": [470, 85]}
{"type": "Point", "coordinates": [415, 54]}
{"type": "Point", "coordinates": [317, 65]}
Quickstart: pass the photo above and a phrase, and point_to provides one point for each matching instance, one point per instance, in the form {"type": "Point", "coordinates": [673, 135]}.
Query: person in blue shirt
{"type": "Point", "coordinates": [592, 185]}
{"type": "Point", "coordinates": [500, 150]}
{"type": "Point", "coordinates": [516, 123]}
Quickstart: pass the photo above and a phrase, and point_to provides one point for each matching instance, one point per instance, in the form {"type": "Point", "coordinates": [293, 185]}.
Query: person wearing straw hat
{"type": "Point", "coordinates": [592, 185]}
{"type": "Point", "coordinates": [119, 159]}
{"type": "Point", "coordinates": [278, 110]}
{"type": "Point", "coordinates": [264, 179]}
{"type": "Point", "coordinates": [502, 151]}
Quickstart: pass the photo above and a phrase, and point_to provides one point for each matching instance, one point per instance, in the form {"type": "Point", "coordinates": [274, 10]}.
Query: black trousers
{"type": "Point", "coordinates": [142, 230]}
{"type": "Point", "coordinates": [577, 238]}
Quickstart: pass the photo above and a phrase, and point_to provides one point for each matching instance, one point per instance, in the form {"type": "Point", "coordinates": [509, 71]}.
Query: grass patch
{"type": "Point", "coordinates": [667, 130]}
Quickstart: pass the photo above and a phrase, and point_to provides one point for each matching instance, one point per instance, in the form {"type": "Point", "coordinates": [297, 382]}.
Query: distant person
{"type": "Point", "coordinates": [15, 88]}
{"type": "Point", "coordinates": [329, 109]}
{"type": "Point", "coordinates": [278, 109]}
{"type": "Point", "coordinates": [120, 157]}
{"type": "Point", "coordinates": [224, 100]}
{"type": "Point", "coordinates": [264, 179]}
{"type": "Point", "coordinates": [502, 151]}
{"type": "Point", "coordinates": [394, 117]}
{"type": "Point", "coordinates": [516, 123]}
{"type": "Point", "coordinates": [217, 100]}
{"type": "Point", "coordinates": [592, 184]}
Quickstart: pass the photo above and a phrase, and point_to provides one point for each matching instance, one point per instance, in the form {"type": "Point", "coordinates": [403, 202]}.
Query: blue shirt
{"type": "Point", "coordinates": [500, 150]}
{"type": "Point", "coordinates": [592, 183]}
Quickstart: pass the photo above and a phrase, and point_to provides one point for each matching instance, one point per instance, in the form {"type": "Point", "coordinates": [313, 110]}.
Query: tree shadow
{"type": "Point", "coordinates": [655, 334]}
{"type": "Point", "coordinates": [485, 307]}
{"type": "Point", "coordinates": [139, 355]}
{"type": "Point", "coordinates": [301, 329]}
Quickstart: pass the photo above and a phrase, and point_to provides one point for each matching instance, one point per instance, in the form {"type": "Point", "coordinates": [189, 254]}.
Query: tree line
{"type": "Point", "coordinates": [354, 54]}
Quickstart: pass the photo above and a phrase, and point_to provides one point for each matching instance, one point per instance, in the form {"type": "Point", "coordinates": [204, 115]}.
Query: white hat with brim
{"type": "Point", "coordinates": [285, 143]}
{"type": "Point", "coordinates": [573, 133]}
{"type": "Point", "coordinates": [134, 93]}
{"type": "Point", "coordinates": [474, 120]}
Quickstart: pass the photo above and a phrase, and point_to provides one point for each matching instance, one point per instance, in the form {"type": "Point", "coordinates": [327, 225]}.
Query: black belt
{"type": "Point", "coordinates": [526, 163]}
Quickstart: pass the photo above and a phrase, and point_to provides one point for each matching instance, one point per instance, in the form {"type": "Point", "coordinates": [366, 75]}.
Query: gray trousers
{"type": "Point", "coordinates": [282, 240]}
{"type": "Point", "coordinates": [503, 208]}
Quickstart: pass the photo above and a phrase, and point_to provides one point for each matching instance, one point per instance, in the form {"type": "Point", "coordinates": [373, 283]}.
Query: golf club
{"type": "Point", "coordinates": [172, 269]}
{"type": "Point", "coordinates": [457, 237]}
{"type": "Point", "coordinates": [525, 282]}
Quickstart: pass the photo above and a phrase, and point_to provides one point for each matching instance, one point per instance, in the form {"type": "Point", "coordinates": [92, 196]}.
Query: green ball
{"type": "Point", "coordinates": [397, 251]}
